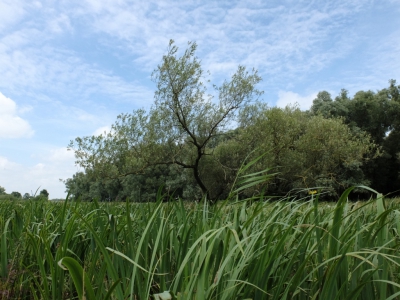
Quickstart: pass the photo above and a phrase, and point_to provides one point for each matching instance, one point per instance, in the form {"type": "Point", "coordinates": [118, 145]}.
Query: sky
{"type": "Point", "coordinates": [69, 67]}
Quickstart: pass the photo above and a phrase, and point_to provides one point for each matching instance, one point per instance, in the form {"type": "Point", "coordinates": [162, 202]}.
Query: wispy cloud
{"type": "Point", "coordinates": [73, 65]}
{"type": "Point", "coordinates": [63, 73]}
{"type": "Point", "coordinates": [60, 24]}
{"type": "Point", "coordinates": [102, 130]}
{"type": "Point", "coordinates": [11, 11]}
{"type": "Point", "coordinates": [294, 99]}
{"type": "Point", "coordinates": [288, 39]}
{"type": "Point", "coordinates": [384, 59]}
{"type": "Point", "coordinates": [53, 165]}
{"type": "Point", "coordinates": [11, 125]}
{"type": "Point", "coordinates": [6, 165]}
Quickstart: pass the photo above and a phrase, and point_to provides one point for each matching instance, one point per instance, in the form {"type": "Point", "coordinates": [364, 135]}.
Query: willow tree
{"type": "Point", "coordinates": [178, 129]}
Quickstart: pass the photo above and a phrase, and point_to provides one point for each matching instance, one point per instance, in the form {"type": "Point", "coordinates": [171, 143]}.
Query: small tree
{"type": "Point", "coordinates": [44, 194]}
{"type": "Point", "coordinates": [2, 191]}
{"type": "Point", "coordinates": [16, 195]}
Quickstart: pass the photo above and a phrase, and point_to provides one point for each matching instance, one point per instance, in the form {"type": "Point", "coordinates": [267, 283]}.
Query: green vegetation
{"type": "Point", "coordinates": [43, 195]}
{"type": "Point", "coordinates": [178, 131]}
{"type": "Point", "coordinates": [234, 149]}
{"type": "Point", "coordinates": [193, 145]}
{"type": "Point", "coordinates": [233, 250]}
{"type": "Point", "coordinates": [376, 113]}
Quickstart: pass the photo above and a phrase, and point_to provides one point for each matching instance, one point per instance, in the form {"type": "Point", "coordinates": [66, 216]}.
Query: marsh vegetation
{"type": "Point", "coordinates": [250, 249]}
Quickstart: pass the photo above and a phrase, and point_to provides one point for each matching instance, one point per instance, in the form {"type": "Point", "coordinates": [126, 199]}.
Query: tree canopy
{"type": "Point", "coordinates": [378, 114]}
{"type": "Point", "coordinates": [306, 151]}
{"type": "Point", "coordinates": [178, 129]}
{"type": "Point", "coordinates": [193, 142]}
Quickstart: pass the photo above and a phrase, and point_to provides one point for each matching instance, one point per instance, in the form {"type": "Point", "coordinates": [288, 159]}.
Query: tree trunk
{"type": "Point", "coordinates": [197, 175]}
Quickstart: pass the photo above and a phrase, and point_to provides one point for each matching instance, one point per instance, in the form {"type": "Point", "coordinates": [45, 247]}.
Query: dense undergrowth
{"type": "Point", "coordinates": [232, 250]}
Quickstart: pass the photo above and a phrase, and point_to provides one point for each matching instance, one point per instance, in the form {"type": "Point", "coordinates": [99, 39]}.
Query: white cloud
{"type": "Point", "coordinates": [37, 4]}
{"type": "Point", "coordinates": [102, 130]}
{"type": "Point", "coordinates": [5, 164]}
{"type": "Point", "coordinates": [384, 59]}
{"type": "Point", "coordinates": [61, 155]}
{"type": "Point", "coordinates": [291, 98]}
{"type": "Point", "coordinates": [60, 24]}
{"type": "Point", "coordinates": [284, 43]}
{"type": "Point", "coordinates": [11, 125]}
{"type": "Point", "coordinates": [24, 109]}
{"type": "Point", "coordinates": [53, 165]}
{"type": "Point", "coordinates": [61, 72]}
{"type": "Point", "coordinates": [10, 12]}
{"type": "Point", "coordinates": [289, 40]}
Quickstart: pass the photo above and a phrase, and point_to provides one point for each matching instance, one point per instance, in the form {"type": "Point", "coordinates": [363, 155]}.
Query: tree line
{"type": "Point", "coordinates": [43, 195]}
{"type": "Point", "coordinates": [192, 142]}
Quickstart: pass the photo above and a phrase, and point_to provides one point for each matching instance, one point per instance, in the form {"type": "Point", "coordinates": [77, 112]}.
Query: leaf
{"type": "Point", "coordinates": [81, 281]}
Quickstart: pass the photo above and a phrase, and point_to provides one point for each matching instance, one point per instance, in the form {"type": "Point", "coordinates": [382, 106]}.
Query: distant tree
{"type": "Point", "coordinates": [44, 194]}
{"type": "Point", "coordinates": [26, 196]}
{"type": "Point", "coordinates": [16, 195]}
{"type": "Point", "coordinates": [137, 187]}
{"type": "Point", "coordinates": [323, 104]}
{"type": "Point", "coordinates": [78, 186]}
{"type": "Point", "coordinates": [328, 108]}
{"type": "Point", "coordinates": [2, 191]}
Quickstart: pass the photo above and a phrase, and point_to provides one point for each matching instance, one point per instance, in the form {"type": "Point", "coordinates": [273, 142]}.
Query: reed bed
{"type": "Point", "coordinates": [232, 250]}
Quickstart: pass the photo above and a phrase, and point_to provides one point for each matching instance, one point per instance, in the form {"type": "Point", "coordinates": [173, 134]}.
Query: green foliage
{"type": "Point", "coordinates": [194, 146]}
{"type": "Point", "coordinates": [137, 187]}
{"type": "Point", "coordinates": [232, 250]}
{"type": "Point", "coordinates": [179, 128]}
{"type": "Point", "coordinates": [376, 113]}
{"type": "Point", "coordinates": [80, 278]}
{"type": "Point", "coordinates": [306, 151]}
{"type": "Point", "coordinates": [44, 193]}
{"type": "Point", "coordinates": [16, 195]}
{"type": "Point", "coordinates": [325, 106]}
{"type": "Point", "coordinates": [12, 196]}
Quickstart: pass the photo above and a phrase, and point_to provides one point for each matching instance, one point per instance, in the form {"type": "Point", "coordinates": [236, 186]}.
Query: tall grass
{"type": "Point", "coordinates": [176, 250]}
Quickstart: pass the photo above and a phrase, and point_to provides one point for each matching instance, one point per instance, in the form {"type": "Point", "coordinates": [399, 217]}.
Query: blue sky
{"type": "Point", "coordinates": [68, 68]}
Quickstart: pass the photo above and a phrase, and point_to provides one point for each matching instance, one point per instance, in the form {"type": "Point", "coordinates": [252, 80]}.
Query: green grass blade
{"type": "Point", "coordinates": [80, 278]}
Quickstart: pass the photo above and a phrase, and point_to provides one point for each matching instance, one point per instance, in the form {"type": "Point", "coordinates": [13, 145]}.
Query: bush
{"type": "Point", "coordinates": [8, 197]}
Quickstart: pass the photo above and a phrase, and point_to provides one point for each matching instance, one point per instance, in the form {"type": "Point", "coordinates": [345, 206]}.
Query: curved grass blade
{"type": "Point", "coordinates": [80, 278]}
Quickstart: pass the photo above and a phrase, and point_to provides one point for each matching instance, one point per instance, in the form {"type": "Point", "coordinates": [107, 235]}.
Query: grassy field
{"type": "Point", "coordinates": [232, 250]}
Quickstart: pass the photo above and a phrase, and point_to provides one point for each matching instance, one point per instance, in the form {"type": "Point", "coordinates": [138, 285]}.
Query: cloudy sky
{"type": "Point", "coordinates": [69, 67]}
